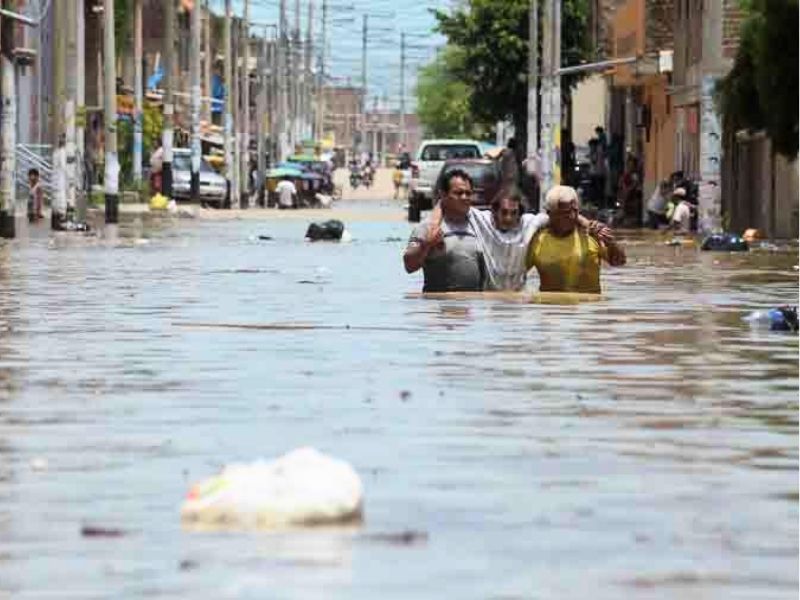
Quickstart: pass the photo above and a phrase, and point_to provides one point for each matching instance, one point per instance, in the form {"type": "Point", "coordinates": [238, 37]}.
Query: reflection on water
{"type": "Point", "coordinates": [641, 444]}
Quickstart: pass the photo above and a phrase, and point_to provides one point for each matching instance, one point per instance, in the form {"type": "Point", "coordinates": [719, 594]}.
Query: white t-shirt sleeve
{"type": "Point", "coordinates": [532, 223]}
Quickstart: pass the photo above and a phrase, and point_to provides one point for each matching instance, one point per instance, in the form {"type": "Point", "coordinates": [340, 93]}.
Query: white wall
{"type": "Point", "coordinates": [588, 108]}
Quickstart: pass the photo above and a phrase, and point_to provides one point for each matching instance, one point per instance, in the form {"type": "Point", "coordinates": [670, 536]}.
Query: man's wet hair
{"type": "Point", "coordinates": [444, 185]}
{"type": "Point", "coordinates": [513, 194]}
{"type": "Point", "coordinates": [33, 172]}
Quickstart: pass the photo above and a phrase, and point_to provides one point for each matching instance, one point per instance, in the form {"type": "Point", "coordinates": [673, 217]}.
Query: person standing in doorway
{"type": "Point", "coordinates": [35, 197]}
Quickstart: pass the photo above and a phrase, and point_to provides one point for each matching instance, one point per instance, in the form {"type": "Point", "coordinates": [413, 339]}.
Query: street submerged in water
{"type": "Point", "coordinates": [639, 445]}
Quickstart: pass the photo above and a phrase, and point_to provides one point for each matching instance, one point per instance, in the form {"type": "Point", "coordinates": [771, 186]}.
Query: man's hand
{"type": "Point", "coordinates": [435, 237]}
{"type": "Point", "coordinates": [601, 232]}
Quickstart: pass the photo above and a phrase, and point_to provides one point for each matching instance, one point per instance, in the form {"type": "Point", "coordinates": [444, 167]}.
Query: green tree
{"type": "Point", "coordinates": [443, 99]}
{"type": "Point", "coordinates": [493, 36]}
{"type": "Point", "coordinates": [761, 90]}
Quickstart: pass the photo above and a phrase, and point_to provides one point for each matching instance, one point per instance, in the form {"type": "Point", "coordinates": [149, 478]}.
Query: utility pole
{"type": "Point", "coordinates": [69, 104]}
{"type": "Point", "coordinates": [138, 93]}
{"type": "Point", "coordinates": [403, 90]}
{"type": "Point", "coordinates": [364, 32]}
{"type": "Point", "coordinates": [261, 117]}
{"type": "Point", "coordinates": [272, 96]}
{"type": "Point", "coordinates": [283, 101]}
{"type": "Point", "coordinates": [308, 119]}
{"type": "Point", "coordinates": [533, 85]}
{"type": "Point", "coordinates": [551, 96]}
{"type": "Point", "coordinates": [60, 48]}
{"type": "Point", "coordinates": [208, 89]}
{"type": "Point", "coordinates": [80, 111]}
{"type": "Point", "coordinates": [168, 62]}
{"type": "Point", "coordinates": [194, 54]}
{"type": "Point", "coordinates": [228, 119]}
{"type": "Point", "coordinates": [8, 124]}
{"type": "Point", "coordinates": [237, 114]}
{"type": "Point", "coordinates": [244, 178]}
{"type": "Point", "coordinates": [556, 87]}
{"type": "Point", "coordinates": [111, 178]}
{"type": "Point", "coordinates": [296, 79]}
{"type": "Point", "coordinates": [321, 79]}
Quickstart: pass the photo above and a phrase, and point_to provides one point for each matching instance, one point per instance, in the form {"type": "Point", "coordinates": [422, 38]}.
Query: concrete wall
{"type": "Point", "coordinates": [760, 190]}
{"type": "Point", "coordinates": [588, 108]}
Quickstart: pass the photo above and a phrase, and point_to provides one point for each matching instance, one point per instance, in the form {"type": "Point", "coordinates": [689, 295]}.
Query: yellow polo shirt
{"type": "Point", "coordinates": [566, 264]}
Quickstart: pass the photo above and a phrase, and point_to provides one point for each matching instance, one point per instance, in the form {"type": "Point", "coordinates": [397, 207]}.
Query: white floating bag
{"type": "Point", "coordinates": [301, 488]}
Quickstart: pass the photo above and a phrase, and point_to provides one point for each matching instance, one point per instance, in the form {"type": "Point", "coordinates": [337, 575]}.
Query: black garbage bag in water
{"type": "Point", "coordinates": [327, 230]}
{"type": "Point", "coordinates": [725, 242]}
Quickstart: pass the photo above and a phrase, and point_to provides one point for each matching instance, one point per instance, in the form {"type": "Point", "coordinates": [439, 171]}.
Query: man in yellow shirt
{"type": "Point", "coordinates": [566, 257]}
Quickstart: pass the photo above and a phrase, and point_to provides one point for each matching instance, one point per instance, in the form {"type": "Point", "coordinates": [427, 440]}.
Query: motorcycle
{"type": "Point", "coordinates": [369, 176]}
{"type": "Point", "coordinates": [355, 179]}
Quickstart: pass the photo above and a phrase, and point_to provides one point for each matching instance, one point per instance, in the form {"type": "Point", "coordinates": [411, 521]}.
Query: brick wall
{"type": "Point", "coordinates": [659, 20]}
{"type": "Point", "coordinates": [731, 25]}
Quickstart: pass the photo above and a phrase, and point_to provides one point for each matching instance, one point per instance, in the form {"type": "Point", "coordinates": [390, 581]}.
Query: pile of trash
{"type": "Point", "coordinates": [301, 488]}
{"type": "Point", "coordinates": [331, 230]}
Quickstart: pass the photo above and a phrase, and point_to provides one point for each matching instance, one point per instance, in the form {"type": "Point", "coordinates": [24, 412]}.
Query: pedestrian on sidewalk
{"type": "Point", "coordinates": [35, 196]}
{"type": "Point", "coordinates": [287, 193]}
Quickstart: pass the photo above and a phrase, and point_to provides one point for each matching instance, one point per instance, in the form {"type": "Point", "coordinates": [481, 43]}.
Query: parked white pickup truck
{"type": "Point", "coordinates": [426, 167]}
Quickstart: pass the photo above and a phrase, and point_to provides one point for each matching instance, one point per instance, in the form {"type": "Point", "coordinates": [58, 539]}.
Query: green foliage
{"type": "Point", "coordinates": [493, 36]}
{"type": "Point", "coordinates": [152, 127]}
{"type": "Point", "coordinates": [443, 99]}
{"type": "Point", "coordinates": [123, 25]}
{"type": "Point", "coordinates": [761, 90]}
{"type": "Point", "coordinates": [151, 139]}
{"type": "Point", "coordinates": [125, 150]}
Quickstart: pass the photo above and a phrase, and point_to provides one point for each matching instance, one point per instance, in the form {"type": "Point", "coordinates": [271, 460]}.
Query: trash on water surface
{"type": "Point", "coordinates": [39, 464]}
{"type": "Point", "coordinates": [774, 319]}
{"type": "Point", "coordinates": [726, 242]}
{"type": "Point", "coordinates": [301, 488]}
{"type": "Point", "coordinates": [97, 531]}
{"type": "Point", "coordinates": [331, 230]}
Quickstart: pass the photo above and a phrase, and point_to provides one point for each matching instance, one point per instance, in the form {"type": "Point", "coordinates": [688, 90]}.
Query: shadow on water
{"type": "Point", "coordinates": [642, 443]}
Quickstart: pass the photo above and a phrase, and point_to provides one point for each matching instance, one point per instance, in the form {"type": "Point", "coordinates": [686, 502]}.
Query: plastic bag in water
{"type": "Point", "coordinates": [774, 319]}
{"type": "Point", "coordinates": [301, 488]}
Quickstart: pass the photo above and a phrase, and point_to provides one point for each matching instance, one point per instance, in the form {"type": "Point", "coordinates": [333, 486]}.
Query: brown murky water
{"type": "Point", "coordinates": [640, 446]}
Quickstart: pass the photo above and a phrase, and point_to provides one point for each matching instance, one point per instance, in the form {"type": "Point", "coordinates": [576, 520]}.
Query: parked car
{"type": "Point", "coordinates": [485, 174]}
{"type": "Point", "coordinates": [425, 170]}
{"type": "Point", "coordinates": [213, 186]}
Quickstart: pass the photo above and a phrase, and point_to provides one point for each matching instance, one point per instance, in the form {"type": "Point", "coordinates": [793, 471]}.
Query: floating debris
{"type": "Point", "coordinates": [301, 488]}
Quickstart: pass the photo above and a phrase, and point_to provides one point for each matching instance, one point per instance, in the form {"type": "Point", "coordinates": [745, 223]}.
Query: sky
{"type": "Point", "coordinates": [386, 19]}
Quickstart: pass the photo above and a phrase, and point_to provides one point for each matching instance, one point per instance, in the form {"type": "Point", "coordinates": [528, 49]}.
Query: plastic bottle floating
{"type": "Point", "coordinates": [774, 319]}
{"type": "Point", "coordinates": [725, 242]}
{"type": "Point", "coordinates": [301, 488]}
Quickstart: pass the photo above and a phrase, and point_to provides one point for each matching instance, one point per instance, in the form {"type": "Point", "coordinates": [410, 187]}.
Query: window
{"type": "Point", "coordinates": [445, 151]}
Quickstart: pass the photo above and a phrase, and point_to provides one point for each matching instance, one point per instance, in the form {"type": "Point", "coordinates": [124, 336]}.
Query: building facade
{"type": "Point", "coordinates": [641, 117]}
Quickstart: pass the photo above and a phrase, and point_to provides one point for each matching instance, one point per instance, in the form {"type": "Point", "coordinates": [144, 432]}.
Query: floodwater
{"type": "Point", "coordinates": [640, 446]}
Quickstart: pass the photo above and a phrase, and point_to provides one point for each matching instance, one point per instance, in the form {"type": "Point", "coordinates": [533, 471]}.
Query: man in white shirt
{"type": "Point", "coordinates": [287, 193]}
{"type": "Point", "coordinates": [681, 219]}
